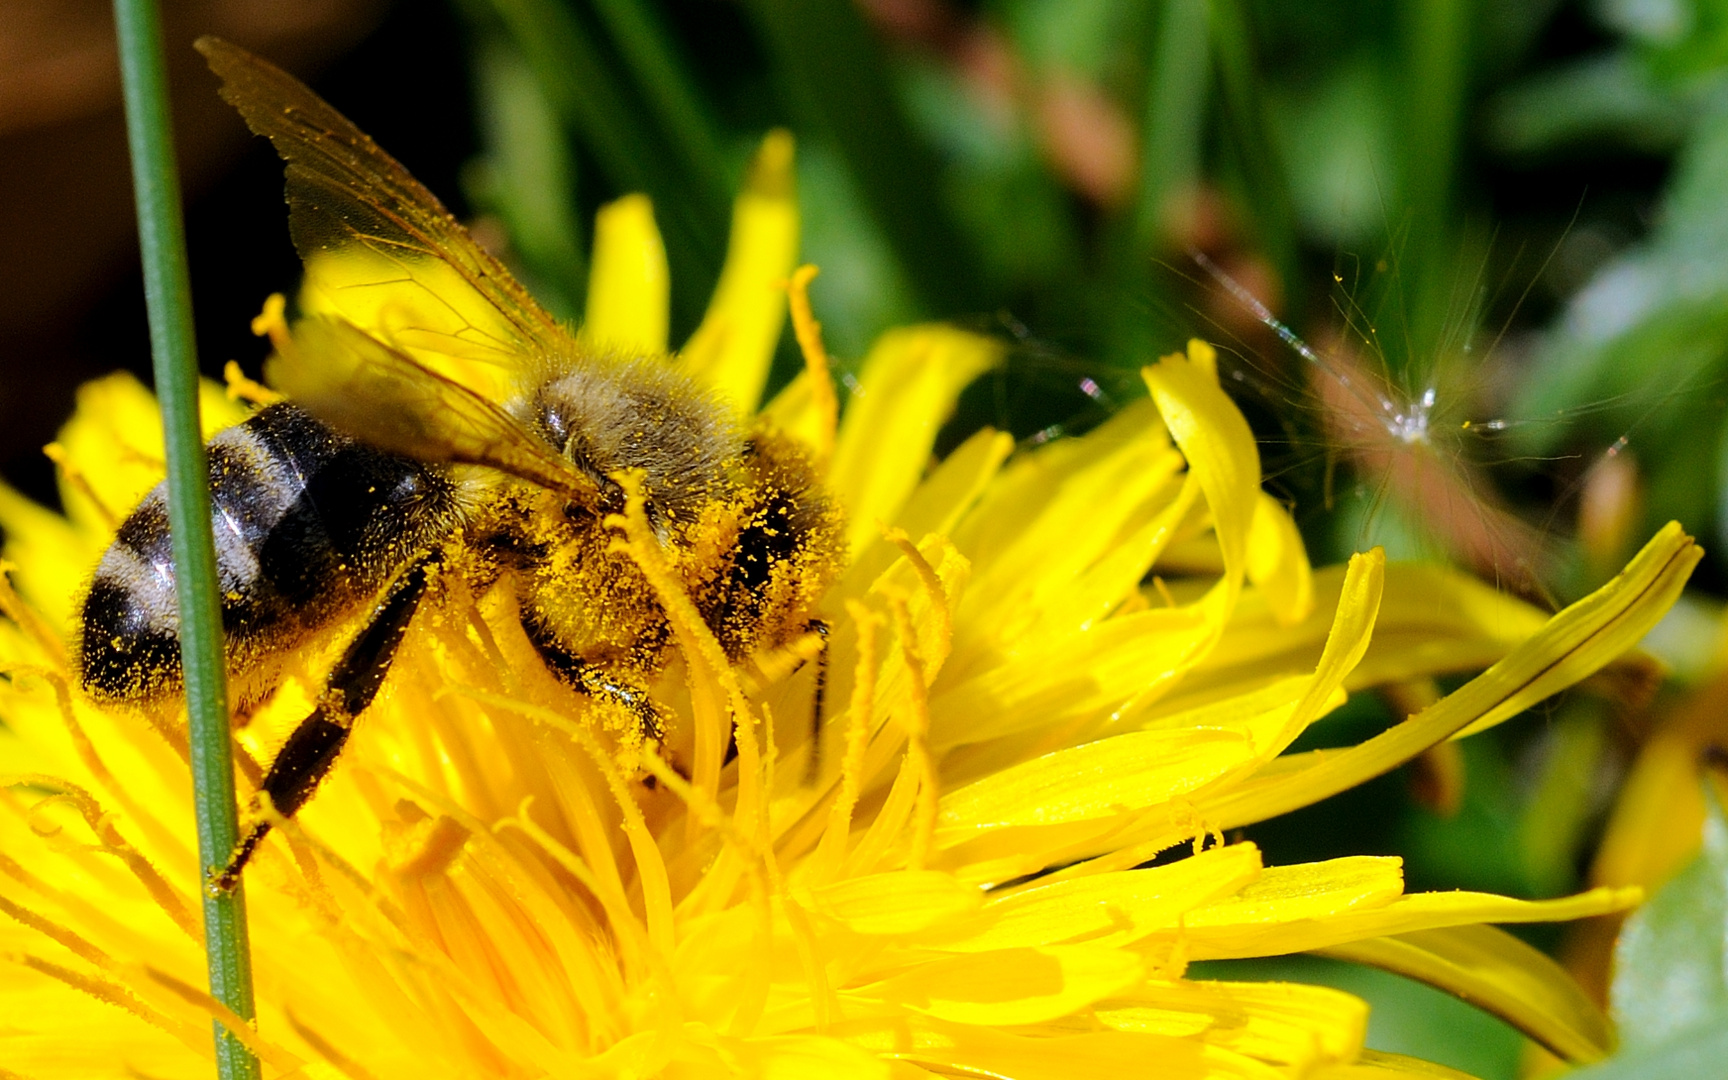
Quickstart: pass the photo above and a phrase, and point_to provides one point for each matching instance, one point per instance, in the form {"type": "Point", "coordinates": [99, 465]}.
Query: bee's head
{"type": "Point", "coordinates": [606, 415]}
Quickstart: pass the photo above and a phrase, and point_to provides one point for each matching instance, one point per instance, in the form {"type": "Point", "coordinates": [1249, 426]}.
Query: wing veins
{"type": "Point", "coordinates": [328, 155]}
{"type": "Point", "coordinates": [381, 395]}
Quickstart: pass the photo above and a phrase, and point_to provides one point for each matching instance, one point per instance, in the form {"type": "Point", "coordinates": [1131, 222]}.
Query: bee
{"type": "Point", "coordinates": [349, 501]}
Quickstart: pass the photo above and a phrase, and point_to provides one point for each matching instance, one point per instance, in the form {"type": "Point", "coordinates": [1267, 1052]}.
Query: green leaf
{"type": "Point", "coordinates": [1697, 1054]}
{"type": "Point", "coordinates": [1671, 966]}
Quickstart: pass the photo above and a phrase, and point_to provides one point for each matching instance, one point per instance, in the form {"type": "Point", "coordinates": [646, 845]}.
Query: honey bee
{"type": "Point", "coordinates": [349, 501]}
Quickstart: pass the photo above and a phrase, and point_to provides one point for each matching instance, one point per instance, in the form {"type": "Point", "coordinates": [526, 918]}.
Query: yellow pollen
{"type": "Point", "coordinates": [705, 658]}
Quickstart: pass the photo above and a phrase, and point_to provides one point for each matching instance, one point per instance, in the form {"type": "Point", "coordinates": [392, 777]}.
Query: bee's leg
{"type": "Point", "coordinates": [314, 744]}
{"type": "Point", "coordinates": [592, 680]}
{"type": "Point", "coordinates": [814, 765]}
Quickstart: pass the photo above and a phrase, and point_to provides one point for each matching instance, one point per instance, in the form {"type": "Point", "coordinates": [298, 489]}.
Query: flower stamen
{"type": "Point", "coordinates": [325, 1049]}
{"type": "Point", "coordinates": [113, 993]}
{"type": "Point", "coordinates": [817, 366]}
{"type": "Point", "coordinates": [29, 620]}
{"type": "Point", "coordinates": [937, 650]}
{"type": "Point", "coordinates": [52, 930]}
{"type": "Point", "coordinates": [917, 737]}
{"type": "Point", "coordinates": [275, 1056]}
{"type": "Point", "coordinates": [74, 476]}
{"type": "Point", "coordinates": [240, 388]}
{"type": "Point", "coordinates": [831, 851]}
{"type": "Point", "coordinates": [112, 843]}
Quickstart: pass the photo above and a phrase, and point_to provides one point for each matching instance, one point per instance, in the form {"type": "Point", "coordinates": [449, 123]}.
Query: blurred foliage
{"type": "Point", "coordinates": [1502, 225]}
{"type": "Point", "coordinates": [1510, 204]}
{"type": "Point", "coordinates": [1670, 992]}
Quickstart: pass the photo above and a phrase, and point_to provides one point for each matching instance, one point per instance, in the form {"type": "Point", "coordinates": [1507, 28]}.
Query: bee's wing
{"type": "Point", "coordinates": [380, 250]}
{"type": "Point", "coordinates": [364, 388]}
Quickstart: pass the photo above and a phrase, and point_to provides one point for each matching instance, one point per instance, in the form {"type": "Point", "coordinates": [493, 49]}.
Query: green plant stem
{"type": "Point", "coordinates": [168, 296]}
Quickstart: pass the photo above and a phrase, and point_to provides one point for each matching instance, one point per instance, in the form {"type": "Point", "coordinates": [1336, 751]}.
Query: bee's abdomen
{"type": "Point", "coordinates": [307, 525]}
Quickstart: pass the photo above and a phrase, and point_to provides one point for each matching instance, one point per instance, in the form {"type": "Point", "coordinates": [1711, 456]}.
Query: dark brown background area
{"type": "Point", "coordinates": [71, 292]}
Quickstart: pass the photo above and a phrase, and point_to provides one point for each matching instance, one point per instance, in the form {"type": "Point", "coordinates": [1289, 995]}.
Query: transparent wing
{"type": "Point", "coordinates": [385, 398]}
{"type": "Point", "coordinates": [381, 252]}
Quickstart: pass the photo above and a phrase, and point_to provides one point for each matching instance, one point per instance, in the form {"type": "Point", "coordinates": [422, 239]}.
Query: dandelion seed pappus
{"type": "Point", "coordinates": [380, 483]}
{"type": "Point", "coordinates": [1410, 449]}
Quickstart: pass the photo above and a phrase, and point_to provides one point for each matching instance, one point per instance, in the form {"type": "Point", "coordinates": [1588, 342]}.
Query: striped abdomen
{"type": "Point", "coordinates": [308, 525]}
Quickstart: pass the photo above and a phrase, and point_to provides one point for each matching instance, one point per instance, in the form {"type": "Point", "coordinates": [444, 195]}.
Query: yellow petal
{"type": "Point", "coordinates": [1100, 779]}
{"type": "Point", "coordinates": [1352, 627]}
{"type": "Point", "coordinates": [113, 444]}
{"type": "Point", "coordinates": [1321, 890]}
{"type": "Point", "coordinates": [907, 387]}
{"type": "Point", "coordinates": [1204, 357]}
{"type": "Point", "coordinates": [1287, 1023]}
{"type": "Point", "coordinates": [1405, 914]}
{"type": "Point", "coordinates": [1010, 986]}
{"type": "Point", "coordinates": [110, 455]}
{"type": "Point", "coordinates": [1574, 644]}
{"type": "Point", "coordinates": [629, 287]}
{"type": "Point", "coordinates": [1278, 562]}
{"type": "Point", "coordinates": [1497, 972]}
{"type": "Point", "coordinates": [1104, 909]}
{"type": "Point", "coordinates": [793, 411]}
{"type": "Point", "coordinates": [1097, 672]}
{"type": "Point", "coordinates": [734, 347]}
{"type": "Point", "coordinates": [50, 558]}
{"type": "Point", "coordinates": [940, 501]}
{"type": "Point", "coordinates": [1070, 533]}
{"type": "Point", "coordinates": [797, 1057]}
{"type": "Point", "coordinates": [901, 902]}
{"type": "Point", "coordinates": [1091, 675]}
{"type": "Point", "coordinates": [1220, 448]}
{"type": "Point", "coordinates": [984, 1051]}
{"type": "Point", "coordinates": [1433, 620]}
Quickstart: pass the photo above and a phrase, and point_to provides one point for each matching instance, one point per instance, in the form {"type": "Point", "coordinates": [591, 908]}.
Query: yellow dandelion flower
{"type": "Point", "coordinates": [976, 866]}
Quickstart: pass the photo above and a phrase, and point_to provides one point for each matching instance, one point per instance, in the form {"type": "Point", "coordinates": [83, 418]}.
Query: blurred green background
{"type": "Point", "coordinates": [1501, 226]}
